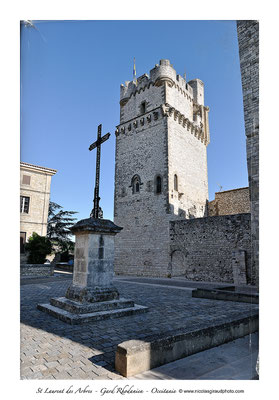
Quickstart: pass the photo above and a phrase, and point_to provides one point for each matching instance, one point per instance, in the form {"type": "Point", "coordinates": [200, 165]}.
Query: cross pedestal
{"type": "Point", "coordinates": [92, 295]}
{"type": "Point", "coordinates": [94, 256]}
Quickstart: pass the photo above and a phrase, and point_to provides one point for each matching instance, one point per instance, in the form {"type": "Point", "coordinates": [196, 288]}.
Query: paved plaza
{"type": "Point", "coordinates": [52, 349]}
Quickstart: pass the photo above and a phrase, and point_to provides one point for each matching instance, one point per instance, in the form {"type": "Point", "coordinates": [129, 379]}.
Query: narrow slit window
{"type": "Point", "coordinates": [143, 107]}
{"type": "Point", "coordinates": [175, 183]}
{"type": "Point", "coordinates": [158, 184]}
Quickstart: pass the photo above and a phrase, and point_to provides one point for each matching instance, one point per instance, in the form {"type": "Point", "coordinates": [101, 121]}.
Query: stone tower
{"type": "Point", "coordinates": [161, 166]}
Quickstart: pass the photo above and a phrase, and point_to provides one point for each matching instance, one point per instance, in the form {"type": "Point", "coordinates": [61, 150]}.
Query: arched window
{"type": "Point", "coordinates": [158, 183]}
{"type": "Point", "coordinates": [135, 184]}
{"type": "Point", "coordinates": [175, 183]}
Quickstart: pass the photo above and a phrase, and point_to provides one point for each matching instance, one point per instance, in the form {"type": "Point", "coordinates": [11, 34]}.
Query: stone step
{"type": "Point", "coordinates": [226, 294]}
{"type": "Point", "coordinates": [85, 308]}
{"type": "Point", "coordinates": [74, 319]}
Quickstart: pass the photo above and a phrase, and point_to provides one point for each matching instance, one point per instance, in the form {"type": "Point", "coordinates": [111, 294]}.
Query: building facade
{"type": "Point", "coordinates": [229, 202]}
{"type": "Point", "coordinates": [34, 200]}
{"type": "Point", "coordinates": [161, 166]}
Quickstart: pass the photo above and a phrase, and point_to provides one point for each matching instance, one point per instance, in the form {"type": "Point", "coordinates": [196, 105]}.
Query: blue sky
{"type": "Point", "coordinates": [71, 73]}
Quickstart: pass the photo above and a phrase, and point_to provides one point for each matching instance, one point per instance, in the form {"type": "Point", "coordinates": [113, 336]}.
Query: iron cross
{"type": "Point", "coordinates": [99, 141]}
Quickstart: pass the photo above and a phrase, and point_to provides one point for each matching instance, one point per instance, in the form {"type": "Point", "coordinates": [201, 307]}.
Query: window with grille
{"type": "Point", "coordinates": [24, 204]}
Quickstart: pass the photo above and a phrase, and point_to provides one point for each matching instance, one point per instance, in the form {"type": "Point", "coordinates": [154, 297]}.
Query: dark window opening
{"type": "Point", "coordinates": [24, 204]}
{"type": "Point", "coordinates": [22, 242]}
{"type": "Point", "coordinates": [158, 185]}
{"type": "Point", "coordinates": [175, 183]}
{"type": "Point", "coordinates": [143, 107]}
{"type": "Point", "coordinates": [135, 184]}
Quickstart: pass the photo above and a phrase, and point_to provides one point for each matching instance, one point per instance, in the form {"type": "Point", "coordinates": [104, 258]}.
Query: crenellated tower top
{"type": "Point", "coordinates": [163, 72]}
{"type": "Point", "coordinates": [185, 103]}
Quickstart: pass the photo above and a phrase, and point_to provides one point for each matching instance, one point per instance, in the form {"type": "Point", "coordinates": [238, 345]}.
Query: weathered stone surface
{"type": "Point", "coordinates": [248, 41]}
{"type": "Point", "coordinates": [79, 308]}
{"type": "Point", "coordinates": [229, 202]}
{"type": "Point", "coordinates": [202, 247]}
{"type": "Point", "coordinates": [239, 267]}
{"type": "Point", "coordinates": [98, 225]}
{"type": "Point", "coordinates": [135, 356]}
{"type": "Point", "coordinates": [94, 261]}
{"type": "Point", "coordinates": [34, 270]}
{"type": "Point", "coordinates": [91, 294]}
{"type": "Point", "coordinates": [83, 318]}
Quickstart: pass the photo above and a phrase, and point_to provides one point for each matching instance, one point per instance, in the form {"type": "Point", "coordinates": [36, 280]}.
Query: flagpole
{"type": "Point", "coordinates": [134, 72]}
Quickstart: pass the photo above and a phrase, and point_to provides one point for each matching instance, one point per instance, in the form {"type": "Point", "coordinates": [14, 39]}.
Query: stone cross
{"type": "Point", "coordinates": [97, 143]}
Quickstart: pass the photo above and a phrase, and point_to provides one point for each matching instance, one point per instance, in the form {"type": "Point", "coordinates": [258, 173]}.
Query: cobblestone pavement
{"type": "Point", "coordinates": [51, 349]}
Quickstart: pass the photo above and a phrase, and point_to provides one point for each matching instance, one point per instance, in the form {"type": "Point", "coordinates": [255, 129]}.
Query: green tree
{"type": "Point", "coordinates": [58, 227]}
{"type": "Point", "coordinates": [38, 248]}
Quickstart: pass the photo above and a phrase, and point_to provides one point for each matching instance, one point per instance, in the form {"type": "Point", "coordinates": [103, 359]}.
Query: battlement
{"type": "Point", "coordinates": [160, 74]}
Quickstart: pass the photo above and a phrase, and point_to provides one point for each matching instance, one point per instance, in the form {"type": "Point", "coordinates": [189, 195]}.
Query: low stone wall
{"type": "Point", "coordinates": [205, 249]}
{"type": "Point", "coordinates": [34, 270]}
{"type": "Point", "coordinates": [136, 356]}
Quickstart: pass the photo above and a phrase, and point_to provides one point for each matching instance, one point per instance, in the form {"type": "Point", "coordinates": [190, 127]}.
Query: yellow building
{"type": "Point", "coordinates": [34, 200]}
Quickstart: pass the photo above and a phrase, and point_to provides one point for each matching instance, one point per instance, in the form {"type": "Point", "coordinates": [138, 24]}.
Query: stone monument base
{"type": "Point", "coordinates": [74, 312]}
{"type": "Point", "coordinates": [92, 295]}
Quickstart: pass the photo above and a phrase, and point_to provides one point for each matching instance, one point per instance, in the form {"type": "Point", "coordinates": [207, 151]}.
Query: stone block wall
{"type": "Point", "coordinates": [248, 41]}
{"type": "Point", "coordinates": [36, 270]}
{"type": "Point", "coordinates": [203, 249]}
{"type": "Point", "coordinates": [187, 159]}
{"type": "Point", "coordinates": [234, 201]}
{"type": "Point", "coordinates": [141, 248]}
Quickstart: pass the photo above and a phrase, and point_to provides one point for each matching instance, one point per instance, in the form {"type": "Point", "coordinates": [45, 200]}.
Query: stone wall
{"type": "Point", "coordinates": [204, 249]}
{"type": "Point", "coordinates": [248, 40]}
{"type": "Point", "coordinates": [141, 248]}
{"type": "Point", "coordinates": [36, 270]}
{"type": "Point", "coordinates": [230, 202]}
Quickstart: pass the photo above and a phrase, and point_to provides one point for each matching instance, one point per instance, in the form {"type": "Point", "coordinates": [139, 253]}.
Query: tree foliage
{"type": "Point", "coordinates": [38, 248]}
{"type": "Point", "coordinates": [58, 227]}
